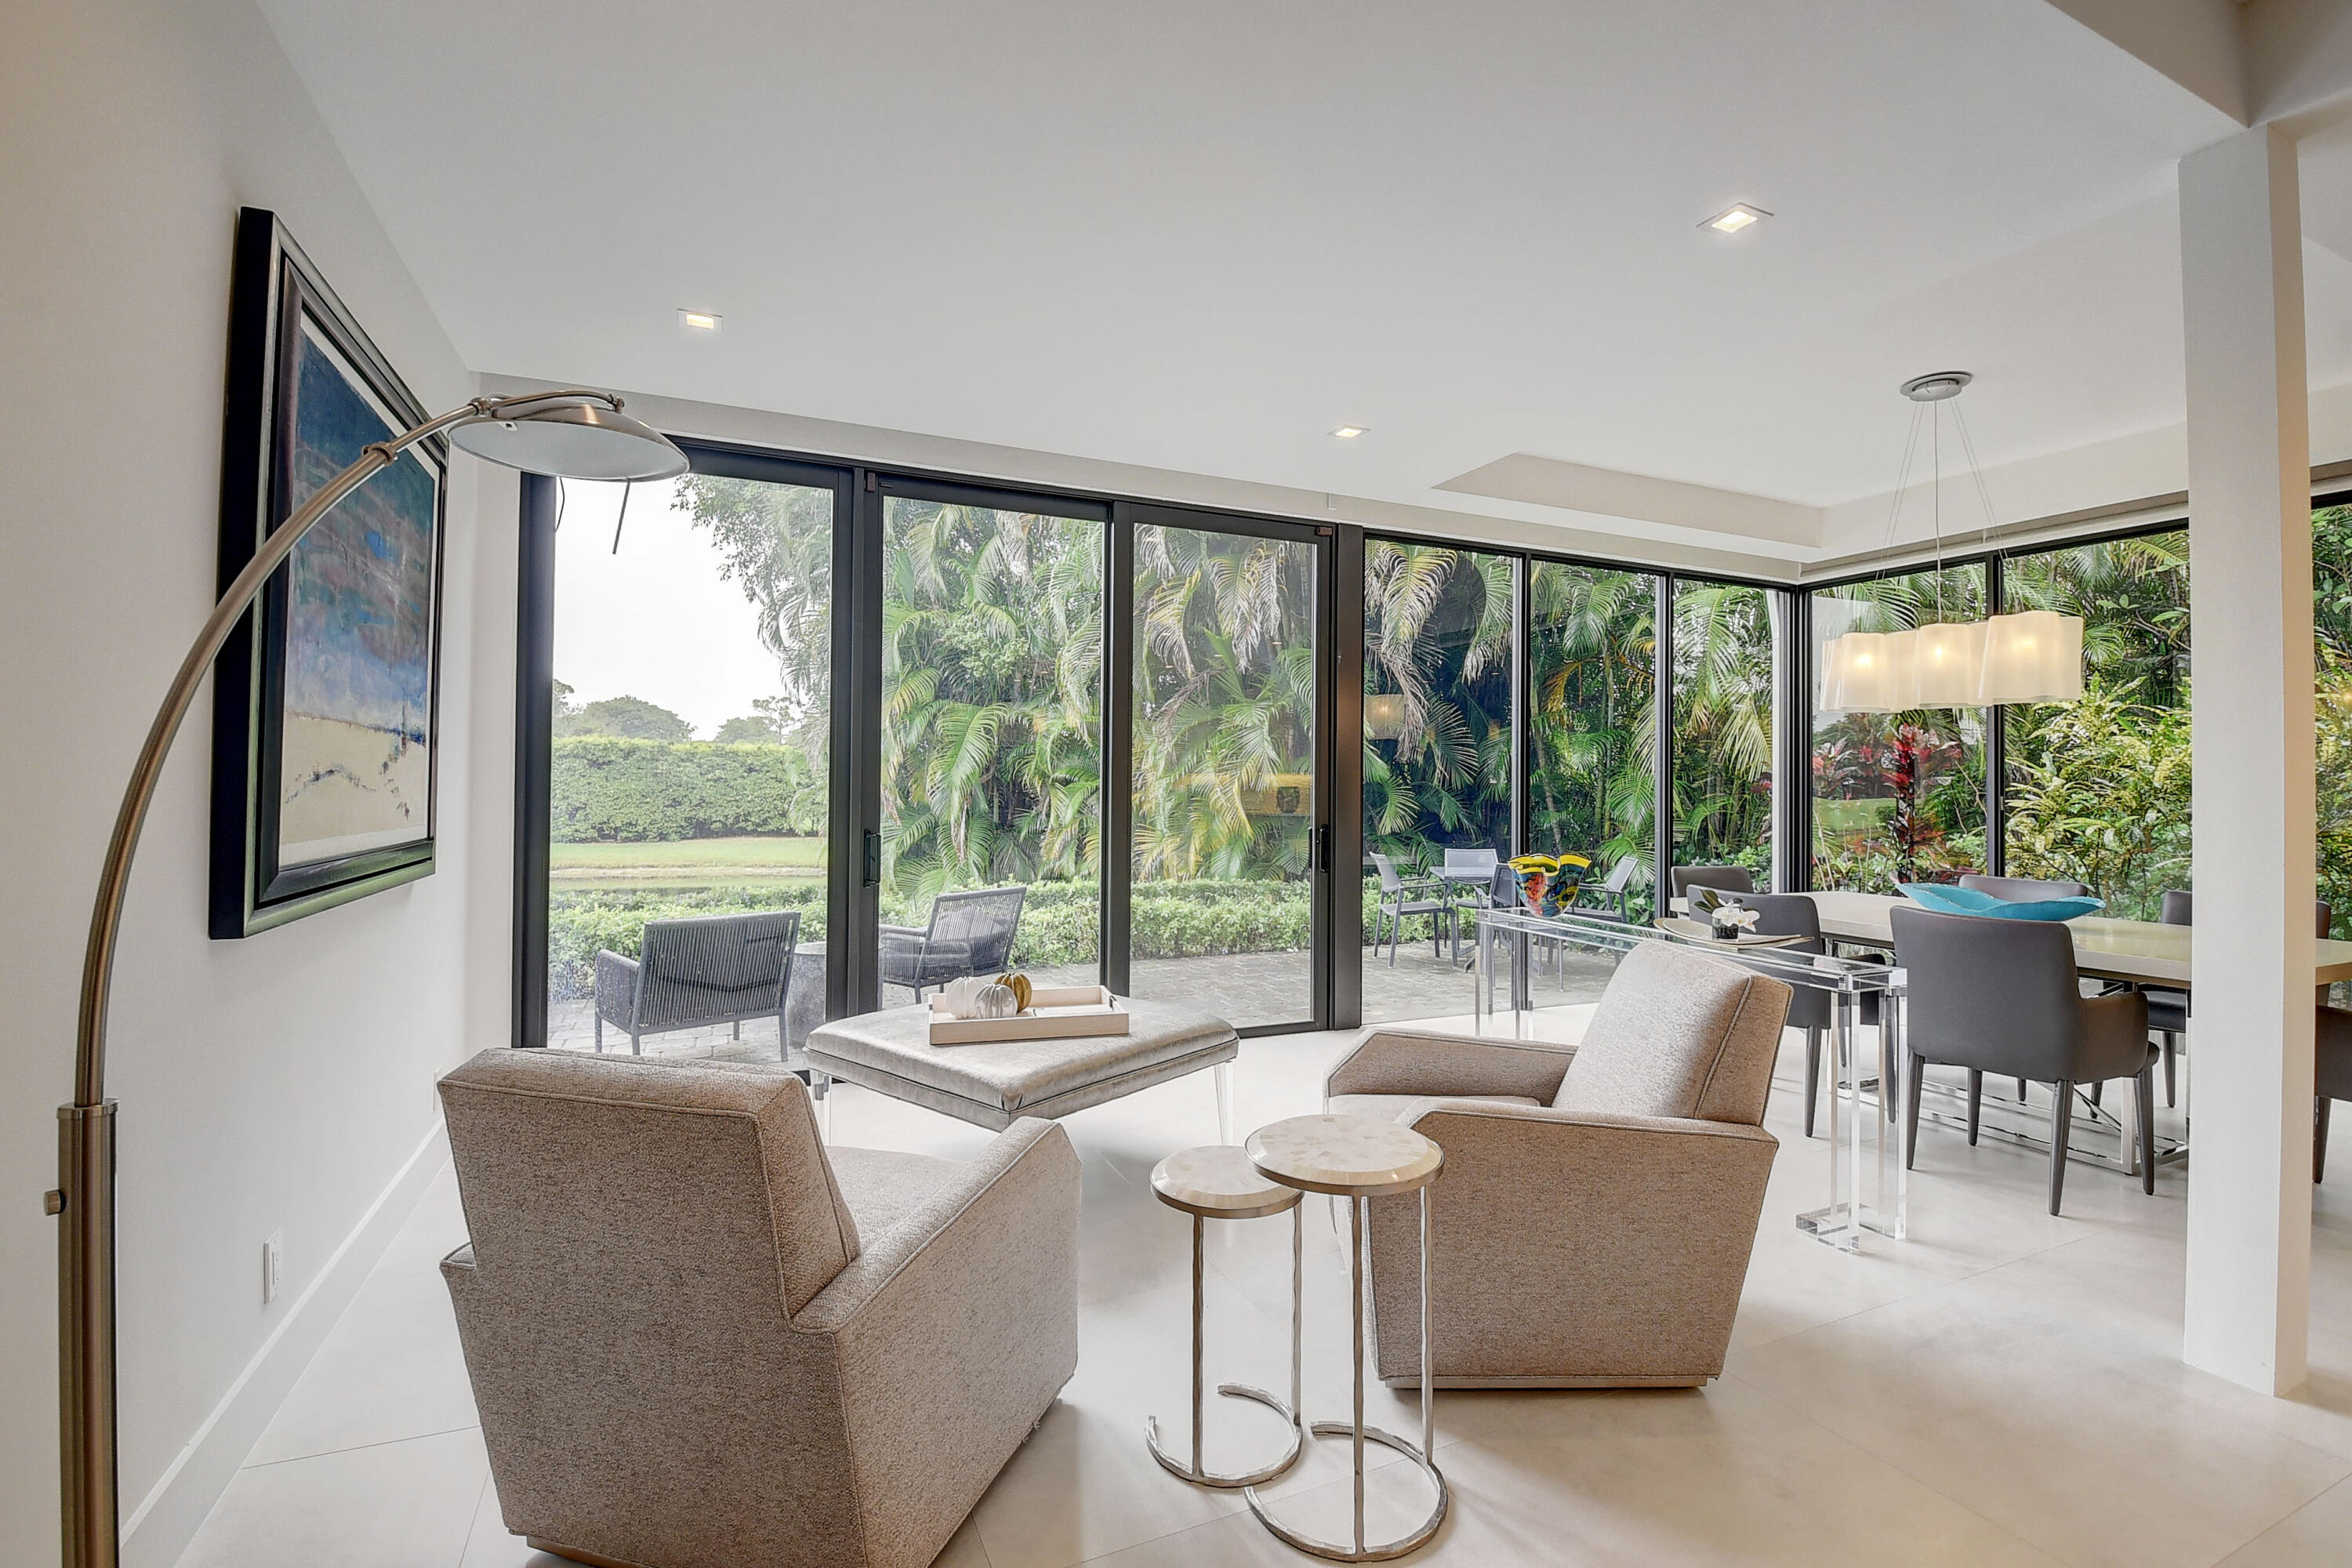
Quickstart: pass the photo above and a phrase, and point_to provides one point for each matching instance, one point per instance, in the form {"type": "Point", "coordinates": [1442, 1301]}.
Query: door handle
{"type": "Point", "coordinates": [873, 858]}
{"type": "Point", "coordinates": [1323, 848]}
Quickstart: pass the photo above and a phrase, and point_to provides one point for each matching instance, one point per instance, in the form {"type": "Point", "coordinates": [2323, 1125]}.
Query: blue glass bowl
{"type": "Point", "coordinates": [1951, 900]}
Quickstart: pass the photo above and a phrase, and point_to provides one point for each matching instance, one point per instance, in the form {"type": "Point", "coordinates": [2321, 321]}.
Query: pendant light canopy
{"type": "Point", "coordinates": [2033, 656]}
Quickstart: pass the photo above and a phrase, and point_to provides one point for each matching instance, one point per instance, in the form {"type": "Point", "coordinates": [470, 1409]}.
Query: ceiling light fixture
{"type": "Point", "coordinates": [700, 320]}
{"type": "Point", "coordinates": [1738, 215]}
{"type": "Point", "coordinates": [1348, 432]}
{"type": "Point", "coordinates": [2035, 655]}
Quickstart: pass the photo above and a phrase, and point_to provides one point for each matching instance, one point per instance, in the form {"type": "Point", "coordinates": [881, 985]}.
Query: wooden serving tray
{"type": "Point", "coordinates": [1055, 1012]}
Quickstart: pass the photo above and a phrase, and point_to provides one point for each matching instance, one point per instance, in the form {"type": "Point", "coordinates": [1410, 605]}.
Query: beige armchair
{"type": "Point", "coordinates": [699, 1339]}
{"type": "Point", "coordinates": [1593, 1226]}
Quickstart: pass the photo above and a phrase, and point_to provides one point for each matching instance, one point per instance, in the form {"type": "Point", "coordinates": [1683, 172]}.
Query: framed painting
{"type": "Point", "coordinates": [326, 712]}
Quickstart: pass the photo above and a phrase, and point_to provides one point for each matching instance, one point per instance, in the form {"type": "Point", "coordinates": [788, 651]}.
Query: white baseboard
{"type": "Point", "coordinates": [158, 1531]}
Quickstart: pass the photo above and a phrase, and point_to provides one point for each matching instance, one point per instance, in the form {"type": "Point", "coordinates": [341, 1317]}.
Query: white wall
{"type": "Point", "coordinates": [277, 1083]}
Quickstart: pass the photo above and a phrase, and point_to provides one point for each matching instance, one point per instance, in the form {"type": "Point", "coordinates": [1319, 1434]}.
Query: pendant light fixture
{"type": "Point", "coordinates": [2033, 656]}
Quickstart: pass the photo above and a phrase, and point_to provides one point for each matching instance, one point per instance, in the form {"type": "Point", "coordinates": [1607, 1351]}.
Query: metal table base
{"type": "Point", "coordinates": [1195, 1471]}
{"type": "Point", "coordinates": [1421, 1456]}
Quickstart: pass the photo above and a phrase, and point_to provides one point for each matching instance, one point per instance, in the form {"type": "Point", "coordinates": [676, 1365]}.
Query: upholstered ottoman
{"type": "Point", "coordinates": [996, 1082]}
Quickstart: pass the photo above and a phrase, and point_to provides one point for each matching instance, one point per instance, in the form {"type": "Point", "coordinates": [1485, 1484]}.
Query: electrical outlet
{"type": "Point", "coordinates": [273, 1266]}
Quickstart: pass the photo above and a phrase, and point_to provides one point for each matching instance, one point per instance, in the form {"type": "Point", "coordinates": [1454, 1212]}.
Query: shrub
{"type": "Point", "coordinates": [605, 789]}
{"type": "Point", "coordinates": [1059, 921]}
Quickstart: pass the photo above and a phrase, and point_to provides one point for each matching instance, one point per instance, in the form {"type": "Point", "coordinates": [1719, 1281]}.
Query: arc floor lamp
{"type": "Point", "coordinates": [572, 434]}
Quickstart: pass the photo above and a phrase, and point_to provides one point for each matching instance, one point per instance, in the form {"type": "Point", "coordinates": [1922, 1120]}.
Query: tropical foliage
{"type": "Point", "coordinates": [1898, 797]}
{"type": "Point", "coordinates": [1591, 786]}
{"type": "Point", "coordinates": [1225, 706]}
{"type": "Point", "coordinates": [1437, 646]}
{"type": "Point", "coordinates": [1722, 739]}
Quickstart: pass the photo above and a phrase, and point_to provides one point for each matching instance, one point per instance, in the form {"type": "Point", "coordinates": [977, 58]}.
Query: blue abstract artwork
{"type": "Point", "coordinates": [356, 766]}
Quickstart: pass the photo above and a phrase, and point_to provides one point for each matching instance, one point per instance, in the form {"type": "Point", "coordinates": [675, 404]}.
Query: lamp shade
{"type": "Point", "coordinates": [1860, 671]}
{"type": "Point", "coordinates": [571, 439]}
{"type": "Point", "coordinates": [2035, 655]}
{"type": "Point", "coordinates": [1948, 665]}
{"type": "Point", "coordinates": [1384, 716]}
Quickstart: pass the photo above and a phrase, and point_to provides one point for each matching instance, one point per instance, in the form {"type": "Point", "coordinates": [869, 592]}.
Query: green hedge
{"type": "Point", "coordinates": [604, 789]}
{"type": "Point", "coordinates": [1058, 921]}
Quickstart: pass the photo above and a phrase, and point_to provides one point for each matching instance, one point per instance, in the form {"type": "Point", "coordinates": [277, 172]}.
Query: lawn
{"type": "Point", "coordinates": [688, 862]}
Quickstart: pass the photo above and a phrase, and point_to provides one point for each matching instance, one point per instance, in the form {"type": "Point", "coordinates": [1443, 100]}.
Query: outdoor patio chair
{"type": "Point", "coordinates": [698, 1336]}
{"type": "Point", "coordinates": [713, 969]}
{"type": "Point", "coordinates": [1397, 903]}
{"type": "Point", "coordinates": [1617, 889]}
{"type": "Point", "coordinates": [969, 933]}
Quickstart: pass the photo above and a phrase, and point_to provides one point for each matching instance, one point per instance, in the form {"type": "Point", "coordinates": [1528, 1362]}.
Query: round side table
{"type": "Point", "coordinates": [1218, 1182]}
{"type": "Point", "coordinates": [1361, 1158]}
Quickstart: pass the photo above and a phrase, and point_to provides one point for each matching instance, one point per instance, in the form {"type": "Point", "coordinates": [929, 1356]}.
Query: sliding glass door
{"type": "Point", "coordinates": [1228, 840]}
{"type": "Point", "coordinates": [992, 713]}
{"type": "Point", "coordinates": [688, 752]}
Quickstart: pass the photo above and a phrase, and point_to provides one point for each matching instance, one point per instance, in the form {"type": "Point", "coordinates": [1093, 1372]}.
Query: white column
{"type": "Point", "coordinates": [2249, 1299]}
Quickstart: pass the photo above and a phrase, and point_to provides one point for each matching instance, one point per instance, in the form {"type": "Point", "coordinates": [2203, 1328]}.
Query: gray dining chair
{"type": "Point", "coordinates": [2331, 1077]}
{"type": "Point", "coordinates": [1681, 880]}
{"type": "Point", "coordinates": [2167, 1011]}
{"type": "Point", "coordinates": [2025, 889]}
{"type": "Point", "coordinates": [1397, 904]}
{"type": "Point", "coordinates": [2004, 996]}
{"type": "Point", "coordinates": [1810, 1009]}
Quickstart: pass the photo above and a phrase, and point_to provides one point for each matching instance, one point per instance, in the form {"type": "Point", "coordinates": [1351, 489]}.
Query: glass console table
{"type": "Point", "coordinates": [1868, 1189]}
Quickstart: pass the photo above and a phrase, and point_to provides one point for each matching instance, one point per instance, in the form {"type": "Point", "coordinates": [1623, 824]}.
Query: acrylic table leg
{"type": "Point", "coordinates": [1222, 1076]}
{"type": "Point", "coordinates": [1482, 1004]}
{"type": "Point", "coordinates": [821, 1088]}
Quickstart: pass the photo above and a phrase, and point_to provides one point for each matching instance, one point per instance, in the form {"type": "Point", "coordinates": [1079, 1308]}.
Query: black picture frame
{"type": "Point", "coordinates": [286, 322]}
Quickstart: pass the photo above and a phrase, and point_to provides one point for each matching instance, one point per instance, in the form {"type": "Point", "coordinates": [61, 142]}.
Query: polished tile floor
{"type": "Point", "coordinates": [2003, 1388]}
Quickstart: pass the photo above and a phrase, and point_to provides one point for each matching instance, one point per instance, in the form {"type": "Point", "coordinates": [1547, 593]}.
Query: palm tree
{"type": "Point", "coordinates": [1438, 634]}
{"type": "Point", "coordinates": [1593, 712]}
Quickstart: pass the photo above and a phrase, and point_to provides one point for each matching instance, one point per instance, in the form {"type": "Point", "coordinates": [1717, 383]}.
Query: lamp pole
{"type": "Point", "coordinates": [84, 1197]}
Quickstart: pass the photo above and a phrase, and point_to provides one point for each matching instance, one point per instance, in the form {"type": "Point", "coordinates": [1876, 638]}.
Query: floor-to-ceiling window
{"type": "Point", "coordinates": [1896, 797]}
{"type": "Point", "coordinates": [992, 739]}
{"type": "Point", "coordinates": [687, 755]}
{"type": "Point", "coordinates": [1591, 715]}
{"type": "Point", "coordinates": [1720, 746]}
{"type": "Point", "coordinates": [1438, 699]}
{"type": "Point", "coordinates": [1221, 906]}
{"type": "Point", "coordinates": [2098, 789]}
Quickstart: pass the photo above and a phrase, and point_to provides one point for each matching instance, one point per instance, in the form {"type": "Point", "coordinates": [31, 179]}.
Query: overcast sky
{"type": "Point", "coordinates": [655, 621]}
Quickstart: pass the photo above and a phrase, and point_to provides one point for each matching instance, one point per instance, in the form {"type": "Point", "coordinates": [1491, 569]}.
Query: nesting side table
{"type": "Point", "coordinates": [1359, 1158]}
{"type": "Point", "coordinates": [1218, 1182]}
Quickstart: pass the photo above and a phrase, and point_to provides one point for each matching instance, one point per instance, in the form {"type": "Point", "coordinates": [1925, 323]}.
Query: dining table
{"type": "Point", "coordinates": [2137, 952]}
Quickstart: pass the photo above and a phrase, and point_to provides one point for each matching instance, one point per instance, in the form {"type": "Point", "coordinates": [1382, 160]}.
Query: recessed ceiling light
{"type": "Point", "coordinates": [701, 320]}
{"type": "Point", "coordinates": [1738, 216]}
{"type": "Point", "coordinates": [1348, 432]}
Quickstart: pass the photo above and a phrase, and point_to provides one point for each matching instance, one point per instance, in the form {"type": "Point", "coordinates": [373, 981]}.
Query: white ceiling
{"type": "Point", "coordinates": [1198, 236]}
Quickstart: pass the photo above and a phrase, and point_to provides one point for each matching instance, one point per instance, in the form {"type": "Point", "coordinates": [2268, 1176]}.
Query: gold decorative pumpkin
{"type": "Point", "coordinates": [1021, 988]}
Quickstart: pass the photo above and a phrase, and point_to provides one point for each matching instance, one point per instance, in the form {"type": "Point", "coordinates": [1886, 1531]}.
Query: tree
{"type": "Point", "coordinates": [772, 723]}
{"type": "Point", "coordinates": [630, 719]}
{"type": "Point", "coordinates": [754, 730]}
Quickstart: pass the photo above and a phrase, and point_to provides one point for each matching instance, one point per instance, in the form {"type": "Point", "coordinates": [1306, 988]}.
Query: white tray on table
{"type": "Point", "coordinates": [1055, 1012]}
